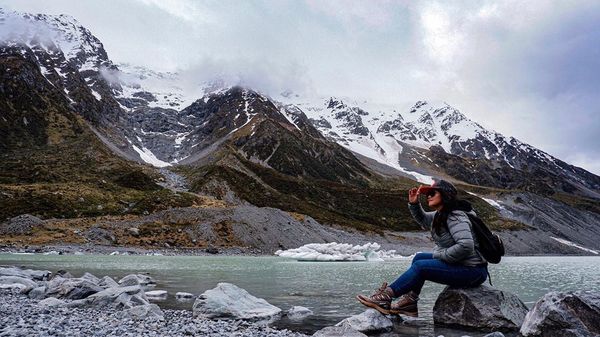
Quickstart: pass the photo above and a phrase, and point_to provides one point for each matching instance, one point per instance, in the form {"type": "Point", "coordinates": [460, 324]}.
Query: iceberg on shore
{"type": "Point", "coordinates": [340, 252]}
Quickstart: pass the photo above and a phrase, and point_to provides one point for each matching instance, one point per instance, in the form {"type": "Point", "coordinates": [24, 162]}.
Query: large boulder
{"type": "Point", "coordinates": [229, 301]}
{"type": "Point", "coordinates": [369, 321]}
{"type": "Point", "coordinates": [120, 298]}
{"type": "Point", "coordinates": [564, 314]}
{"type": "Point", "coordinates": [482, 307]}
{"type": "Point", "coordinates": [71, 288]}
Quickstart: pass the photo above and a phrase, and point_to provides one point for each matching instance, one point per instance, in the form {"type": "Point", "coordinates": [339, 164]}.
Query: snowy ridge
{"type": "Point", "coordinates": [54, 33]}
{"type": "Point", "coordinates": [378, 131]}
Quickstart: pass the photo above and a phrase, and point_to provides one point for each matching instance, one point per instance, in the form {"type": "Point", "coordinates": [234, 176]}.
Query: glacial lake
{"type": "Point", "coordinates": [327, 288]}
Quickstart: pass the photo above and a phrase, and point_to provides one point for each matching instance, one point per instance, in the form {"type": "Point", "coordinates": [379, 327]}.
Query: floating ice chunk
{"type": "Point", "coordinates": [339, 252]}
{"type": "Point", "coordinates": [298, 313]}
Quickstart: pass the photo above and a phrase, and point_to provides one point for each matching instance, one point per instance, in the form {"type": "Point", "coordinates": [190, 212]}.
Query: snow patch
{"type": "Point", "coordinates": [493, 202]}
{"type": "Point", "coordinates": [572, 244]}
{"type": "Point", "coordinates": [149, 157]}
{"type": "Point", "coordinates": [97, 95]}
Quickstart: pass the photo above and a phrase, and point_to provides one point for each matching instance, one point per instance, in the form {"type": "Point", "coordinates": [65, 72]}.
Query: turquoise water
{"type": "Point", "coordinates": [327, 288]}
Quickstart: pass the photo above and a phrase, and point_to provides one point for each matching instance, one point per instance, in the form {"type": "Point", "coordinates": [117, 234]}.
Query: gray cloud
{"type": "Point", "coordinates": [525, 69]}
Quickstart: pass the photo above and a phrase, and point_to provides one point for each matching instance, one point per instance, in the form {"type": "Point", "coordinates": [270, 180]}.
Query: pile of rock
{"type": "Point", "coordinates": [130, 299]}
{"type": "Point", "coordinates": [483, 308]}
{"type": "Point", "coordinates": [64, 290]}
{"type": "Point", "coordinates": [566, 314]}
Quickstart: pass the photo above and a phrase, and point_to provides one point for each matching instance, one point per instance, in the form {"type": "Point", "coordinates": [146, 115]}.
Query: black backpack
{"type": "Point", "coordinates": [490, 244]}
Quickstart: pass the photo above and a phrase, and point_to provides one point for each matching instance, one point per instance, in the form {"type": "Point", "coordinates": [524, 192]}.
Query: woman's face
{"type": "Point", "coordinates": [434, 199]}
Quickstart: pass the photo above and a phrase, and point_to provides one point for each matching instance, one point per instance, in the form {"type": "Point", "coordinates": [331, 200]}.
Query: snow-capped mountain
{"type": "Point", "coordinates": [163, 120]}
{"type": "Point", "coordinates": [384, 132]}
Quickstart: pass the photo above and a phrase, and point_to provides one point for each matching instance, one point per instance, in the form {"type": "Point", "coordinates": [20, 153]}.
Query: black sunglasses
{"type": "Point", "coordinates": [430, 193]}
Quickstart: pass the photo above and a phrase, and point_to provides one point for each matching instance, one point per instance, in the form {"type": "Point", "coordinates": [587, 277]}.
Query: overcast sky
{"type": "Point", "coordinates": [528, 69]}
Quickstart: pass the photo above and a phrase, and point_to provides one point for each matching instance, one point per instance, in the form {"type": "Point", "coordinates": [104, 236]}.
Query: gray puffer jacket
{"type": "Point", "coordinates": [456, 243]}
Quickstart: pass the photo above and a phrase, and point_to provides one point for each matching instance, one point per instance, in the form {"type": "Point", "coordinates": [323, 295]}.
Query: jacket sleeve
{"type": "Point", "coordinates": [425, 219]}
{"type": "Point", "coordinates": [459, 227]}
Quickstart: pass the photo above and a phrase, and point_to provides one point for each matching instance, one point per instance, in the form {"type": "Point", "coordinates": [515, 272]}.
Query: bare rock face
{"type": "Point", "coordinates": [483, 308]}
{"type": "Point", "coordinates": [570, 314]}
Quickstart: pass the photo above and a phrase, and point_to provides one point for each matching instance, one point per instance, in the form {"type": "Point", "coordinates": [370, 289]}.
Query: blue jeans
{"type": "Point", "coordinates": [425, 268]}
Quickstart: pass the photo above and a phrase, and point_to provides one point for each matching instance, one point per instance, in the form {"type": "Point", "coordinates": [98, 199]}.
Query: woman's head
{"type": "Point", "coordinates": [440, 193]}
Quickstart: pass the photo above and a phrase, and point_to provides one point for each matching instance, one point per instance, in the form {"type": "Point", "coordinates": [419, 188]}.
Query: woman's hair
{"type": "Point", "coordinates": [450, 204]}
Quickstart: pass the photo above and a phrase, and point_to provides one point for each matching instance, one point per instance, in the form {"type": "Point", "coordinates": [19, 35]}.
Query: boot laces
{"type": "Point", "coordinates": [381, 293]}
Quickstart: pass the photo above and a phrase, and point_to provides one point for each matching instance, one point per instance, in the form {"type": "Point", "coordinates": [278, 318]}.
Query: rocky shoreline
{"type": "Point", "coordinates": [43, 303]}
{"type": "Point", "coordinates": [72, 249]}
{"type": "Point", "coordinates": [22, 316]}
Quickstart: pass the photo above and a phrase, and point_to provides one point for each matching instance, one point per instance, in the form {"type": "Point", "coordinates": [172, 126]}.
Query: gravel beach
{"type": "Point", "coordinates": [21, 316]}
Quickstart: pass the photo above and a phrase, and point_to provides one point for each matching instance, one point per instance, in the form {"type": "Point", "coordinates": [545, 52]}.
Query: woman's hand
{"type": "Point", "coordinates": [413, 195]}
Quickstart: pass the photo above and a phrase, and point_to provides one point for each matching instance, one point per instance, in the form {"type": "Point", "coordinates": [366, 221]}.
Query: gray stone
{"type": "Point", "coordinates": [136, 279]}
{"type": "Point", "coordinates": [369, 321]}
{"type": "Point", "coordinates": [120, 297]}
{"type": "Point", "coordinates": [71, 288]}
{"type": "Point", "coordinates": [144, 311]}
{"type": "Point", "coordinates": [23, 284]}
{"type": "Point", "coordinates": [51, 302]}
{"type": "Point", "coordinates": [107, 282]}
{"type": "Point", "coordinates": [37, 293]}
{"type": "Point", "coordinates": [133, 231]}
{"type": "Point", "coordinates": [230, 301]}
{"type": "Point", "coordinates": [36, 275]}
{"type": "Point", "coordinates": [482, 307]}
{"type": "Point", "coordinates": [91, 278]}
{"type": "Point", "coordinates": [338, 331]}
{"type": "Point", "coordinates": [564, 314]}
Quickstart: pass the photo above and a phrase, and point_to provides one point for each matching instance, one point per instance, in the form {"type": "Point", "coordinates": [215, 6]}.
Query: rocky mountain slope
{"type": "Point", "coordinates": [51, 161]}
{"type": "Point", "coordinates": [74, 117]}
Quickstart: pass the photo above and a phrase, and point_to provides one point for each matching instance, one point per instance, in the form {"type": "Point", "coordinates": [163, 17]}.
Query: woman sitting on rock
{"type": "Point", "coordinates": [455, 260]}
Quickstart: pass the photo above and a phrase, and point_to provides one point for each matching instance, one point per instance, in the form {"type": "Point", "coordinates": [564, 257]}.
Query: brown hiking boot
{"type": "Point", "coordinates": [380, 300]}
{"type": "Point", "coordinates": [406, 305]}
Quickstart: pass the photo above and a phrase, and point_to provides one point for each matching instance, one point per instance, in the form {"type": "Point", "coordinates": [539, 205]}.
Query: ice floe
{"type": "Point", "coordinates": [340, 252]}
